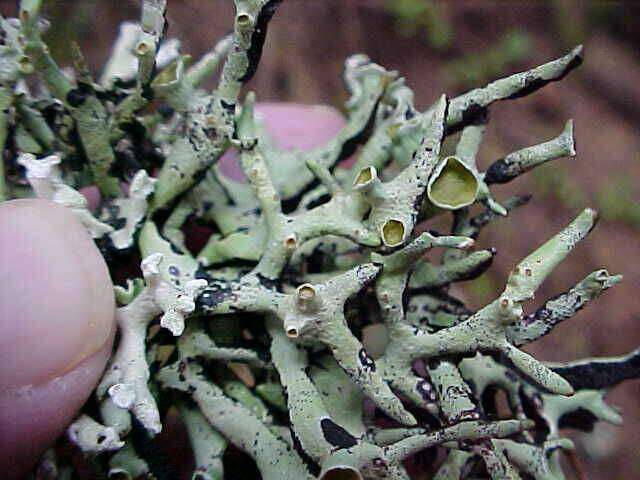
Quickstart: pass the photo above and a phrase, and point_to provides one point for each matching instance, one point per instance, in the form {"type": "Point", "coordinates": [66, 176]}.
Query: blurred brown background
{"type": "Point", "coordinates": [451, 47]}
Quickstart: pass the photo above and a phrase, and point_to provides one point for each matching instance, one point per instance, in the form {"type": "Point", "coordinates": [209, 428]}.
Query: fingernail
{"type": "Point", "coordinates": [31, 418]}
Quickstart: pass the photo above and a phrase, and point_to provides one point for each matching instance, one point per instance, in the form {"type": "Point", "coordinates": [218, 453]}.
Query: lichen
{"type": "Point", "coordinates": [261, 339]}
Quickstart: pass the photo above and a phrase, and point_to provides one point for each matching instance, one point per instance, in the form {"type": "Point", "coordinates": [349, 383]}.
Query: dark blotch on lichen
{"type": "Point", "coordinates": [336, 435]}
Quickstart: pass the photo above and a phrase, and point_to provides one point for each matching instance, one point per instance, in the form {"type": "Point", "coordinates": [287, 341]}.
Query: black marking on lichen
{"type": "Point", "coordinates": [549, 317]}
{"type": "Point", "coordinates": [477, 271]}
{"type": "Point", "coordinates": [165, 111]}
{"type": "Point", "coordinates": [230, 108]}
{"type": "Point", "coordinates": [409, 113]}
{"type": "Point", "coordinates": [312, 467]}
{"type": "Point", "coordinates": [499, 172]}
{"type": "Point", "coordinates": [366, 361]}
{"type": "Point", "coordinates": [268, 283]}
{"type": "Point", "coordinates": [336, 435]}
{"type": "Point", "coordinates": [425, 390]}
{"type": "Point", "coordinates": [113, 216]}
{"type": "Point", "coordinates": [597, 375]}
{"type": "Point", "coordinates": [77, 96]}
{"type": "Point", "coordinates": [147, 92]}
{"type": "Point", "coordinates": [580, 419]}
{"type": "Point", "coordinates": [201, 273]}
{"type": "Point", "coordinates": [254, 52]}
{"type": "Point", "coordinates": [316, 202]}
{"type": "Point", "coordinates": [211, 297]}
{"type": "Point", "coordinates": [471, 115]}
{"type": "Point", "coordinates": [533, 84]}
{"type": "Point", "coordinates": [349, 147]}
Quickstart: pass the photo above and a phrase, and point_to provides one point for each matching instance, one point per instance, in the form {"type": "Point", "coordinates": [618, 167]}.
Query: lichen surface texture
{"type": "Point", "coordinates": [314, 333]}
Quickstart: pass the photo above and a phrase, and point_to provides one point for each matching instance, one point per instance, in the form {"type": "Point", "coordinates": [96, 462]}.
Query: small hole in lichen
{"type": "Point", "coordinates": [292, 332]}
{"type": "Point", "coordinates": [306, 292]}
{"type": "Point", "coordinates": [365, 176]}
{"type": "Point", "coordinates": [25, 65]}
{"type": "Point", "coordinates": [142, 48]}
{"type": "Point", "coordinates": [119, 475]}
{"type": "Point", "coordinates": [200, 474]}
{"type": "Point", "coordinates": [393, 233]}
{"type": "Point", "coordinates": [290, 243]}
{"type": "Point", "coordinates": [341, 473]}
{"type": "Point", "coordinates": [243, 19]}
{"type": "Point", "coordinates": [168, 75]}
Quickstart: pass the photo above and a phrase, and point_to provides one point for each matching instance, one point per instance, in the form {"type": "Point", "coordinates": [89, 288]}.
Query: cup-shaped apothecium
{"type": "Point", "coordinates": [453, 184]}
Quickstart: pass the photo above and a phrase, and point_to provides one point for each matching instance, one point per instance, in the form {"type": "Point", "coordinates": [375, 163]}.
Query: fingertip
{"type": "Point", "coordinates": [92, 194]}
{"type": "Point", "coordinates": [294, 125]}
{"type": "Point", "coordinates": [291, 126]}
{"type": "Point", "coordinates": [56, 299]}
{"type": "Point", "coordinates": [56, 321]}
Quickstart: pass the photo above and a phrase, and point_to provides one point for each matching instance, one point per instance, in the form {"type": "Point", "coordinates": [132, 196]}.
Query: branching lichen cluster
{"type": "Point", "coordinates": [262, 341]}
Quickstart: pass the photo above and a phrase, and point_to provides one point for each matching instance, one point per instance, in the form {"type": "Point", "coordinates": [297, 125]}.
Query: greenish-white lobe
{"type": "Point", "coordinates": [273, 394]}
{"type": "Point", "coordinates": [367, 83]}
{"type": "Point", "coordinates": [208, 445]}
{"type": "Point", "coordinates": [115, 417]}
{"type": "Point", "coordinates": [496, 462]}
{"type": "Point", "coordinates": [89, 114]}
{"type": "Point", "coordinates": [395, 111]}
{"type": "Point", "coordinates": [561, 308]}
{"type": "Point", "coordinates": [305, 407]}
{"type": "Point", "coordinates": [451, 468]}
{"type": "Point", "coordinates": [126, 214]}
{"type": "Point", "coordinates": [341, 398]}
{"type": "Point", "coordinates": [521, 161]}
{"type": "Point", "coordinates": [274, 457]}
{"type": "Point", "coordinates": [207, 64]}
{"type": "Point", "coordinates": [35, 124]}
{"type": "Point", "coordinates": [92, 437]}
{"type": "Point", "coordinates": [209, 124]}
{"type": "Point", "coordinates": [124, 295]}
{"type": "Point", "coordinates": [127, 375]}
{"type": "Point", "coordinates": [486, 330]}
{"type": "Point", "coordinates": [538, 462]}
{"type": "Point", "coordinates": [127, 464]}
{"type": "Point", "coordinates": [455, 400]}
{"type": "Point", "coordinates": [467, 430]}
{"type": "Point", "coordinates": [177, 267]}
{"type": "Point", "coordinates": [514, 86]}
{"type": "Point", "coordinates": [428, 276]}
{"type": "Point", "coordinates": [145, 48]}
{"type": "Point", "coordinates": [395, 217]}
{"type": "Point", "coordinates": [194, 342]}
{"type": "Point", "coordinates": [315, 312]}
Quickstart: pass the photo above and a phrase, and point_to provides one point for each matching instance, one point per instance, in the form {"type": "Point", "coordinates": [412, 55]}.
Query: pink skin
{"type": "Point", "coordinates": [57, 304]}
